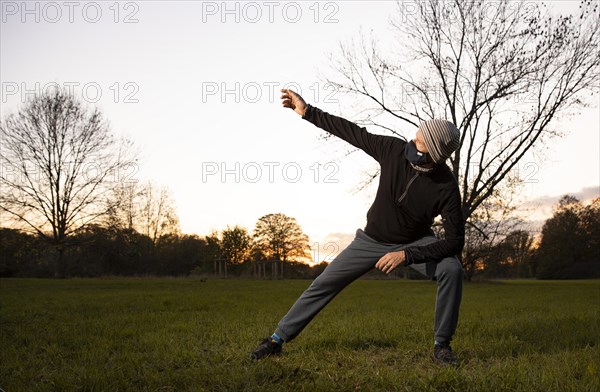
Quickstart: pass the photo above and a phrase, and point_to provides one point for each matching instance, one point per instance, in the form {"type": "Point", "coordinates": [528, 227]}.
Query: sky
{"type": "Point", "coordinates": [195, 86]}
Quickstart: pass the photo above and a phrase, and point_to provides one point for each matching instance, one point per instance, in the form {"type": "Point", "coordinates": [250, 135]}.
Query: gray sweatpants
{"type": "Point", "coordinates": [357, 259]}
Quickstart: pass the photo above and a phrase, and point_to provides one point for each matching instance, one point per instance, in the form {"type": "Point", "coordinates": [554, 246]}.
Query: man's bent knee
{"type": "Point", "coordinates": [450, 268]}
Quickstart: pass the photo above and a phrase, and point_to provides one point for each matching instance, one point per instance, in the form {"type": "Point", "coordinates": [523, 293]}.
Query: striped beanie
{"type": "Point", "coordinates": [441, 137]}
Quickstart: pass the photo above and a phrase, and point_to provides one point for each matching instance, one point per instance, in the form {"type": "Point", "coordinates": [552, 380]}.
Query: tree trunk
{"type": "Point", "coordinates": [469, 271]}
{"type": "Point", "coordinates": [59, 268]}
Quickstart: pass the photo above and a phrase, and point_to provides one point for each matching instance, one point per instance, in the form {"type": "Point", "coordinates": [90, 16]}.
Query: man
{"type": "Point", "coordinates": [415, 186]}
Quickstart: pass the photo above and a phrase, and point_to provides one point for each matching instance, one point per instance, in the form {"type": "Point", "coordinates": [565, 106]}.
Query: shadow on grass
{"type": "Point", "coordinates": [558, 334]}
{"type": "Point", "coordinates": [536, 335]}
{"type": "Point", "coordinates": [357, 344]}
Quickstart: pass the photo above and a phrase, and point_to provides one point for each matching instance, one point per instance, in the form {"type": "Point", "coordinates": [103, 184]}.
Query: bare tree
{"type": "Point", "coordinates": [157, 215]}
{"type": "Point", "coordinates": [145, 208]}
{"type": "Point", "coordinates": [58, 159]}
{"type": "Point", "coordinates": [486, 228]}
{"type": "Point", "coordinates": [280, 238]}
{"type": "Point", "coordinates": [502, 72]}
{"type": "Point", "coordinates": [518, 247]}
{"type": "Point", "coordinates": [123, 207]}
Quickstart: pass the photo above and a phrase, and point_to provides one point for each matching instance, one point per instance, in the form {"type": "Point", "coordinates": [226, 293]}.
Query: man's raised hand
{"type": "Point", "coordinates": [293, 100]}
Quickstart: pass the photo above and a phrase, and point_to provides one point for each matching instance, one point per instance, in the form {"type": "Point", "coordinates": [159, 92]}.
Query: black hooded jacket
{"type": "Point", "coordinates": [407, 200]}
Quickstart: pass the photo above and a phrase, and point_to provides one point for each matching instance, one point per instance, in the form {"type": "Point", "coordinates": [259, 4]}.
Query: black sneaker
{"type": "Point", "coordinates": [443, 355]}
{"type": "Point", "coordinates": [267, 347]}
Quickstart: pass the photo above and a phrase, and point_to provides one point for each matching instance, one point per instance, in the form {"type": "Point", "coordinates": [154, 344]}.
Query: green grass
{"type": "Point", "coordinates": [185, 334]}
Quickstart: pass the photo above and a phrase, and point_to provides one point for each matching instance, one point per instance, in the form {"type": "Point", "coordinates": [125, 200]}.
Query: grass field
{"type": "Point", "coordinates": [184, 334]}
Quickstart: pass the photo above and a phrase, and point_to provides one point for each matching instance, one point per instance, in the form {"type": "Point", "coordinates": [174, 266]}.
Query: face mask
{"type": "Point", "coordinates": [415, 156]}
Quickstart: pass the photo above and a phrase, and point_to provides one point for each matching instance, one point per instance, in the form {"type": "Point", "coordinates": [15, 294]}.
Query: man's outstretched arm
{"type": "Point", "coordinates": [375, 145]}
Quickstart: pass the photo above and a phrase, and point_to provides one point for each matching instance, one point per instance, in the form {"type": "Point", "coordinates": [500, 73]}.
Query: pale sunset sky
{"type": "Point", "coordinates": [197, 91]}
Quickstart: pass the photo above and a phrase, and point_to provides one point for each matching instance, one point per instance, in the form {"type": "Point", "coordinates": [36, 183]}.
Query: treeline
{"type": "Point", "coordinates": [101, 251]}
{"type": "Point", "coordinates": [568, 247]}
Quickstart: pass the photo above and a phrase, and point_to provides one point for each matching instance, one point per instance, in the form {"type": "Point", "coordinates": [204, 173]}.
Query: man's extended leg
{"type": "Point", "coordinates": [358, 258]}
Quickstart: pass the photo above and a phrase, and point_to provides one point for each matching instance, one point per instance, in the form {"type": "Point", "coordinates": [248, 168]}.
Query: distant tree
{"type": "Point", "coordinates": [191, 251]}
{"type": "Point", "coordinates": [512, 257]}
{"type": "Point", "coordinates": [157, 212]}
{"type": "Point", "coordinates": [484, 232]}
{"type": "Point", "coordinates": [123, 206]}
{"type": "Point", "coordinates": [58, 161]}
{"type": "Point", "coordinates": [146, 208]}
{"type": "Point", "coordinates": [23, 255]}
{"type": "Point", "coordinates": [280, 238]}
{"type": "Point", "coordinates": [214, 253]}
{"type": "Point", "coordinates": [568, 248]}
{"type": "Point", "coordinates": [259, 262]}
{"type": "Point", "coordinates": [236, 244]}
{"type": "Point", "coordinates": [317, 269]}
{"type": "Point", "coordinates": [590, 230]}
{"type": "Point", "coordinates": [178, 255]}
{"type": "Point", "coordinates": [98, 250]}
{"type": "Point", "coordinates": [518, 247]}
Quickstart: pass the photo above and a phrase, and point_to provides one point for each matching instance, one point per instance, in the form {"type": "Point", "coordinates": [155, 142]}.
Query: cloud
{"type": "Point", "coordinates": [541, 208]}
{"type": "Point", "coordinates": [331, 245]}
{"type": "Point", "coordinates": [588, 193]}
{"type": "Point", "coordinates": [584, 195]}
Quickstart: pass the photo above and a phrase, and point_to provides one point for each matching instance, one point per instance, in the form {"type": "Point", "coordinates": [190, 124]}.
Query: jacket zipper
{"type": "Point", "coordinates": [407, 186]}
